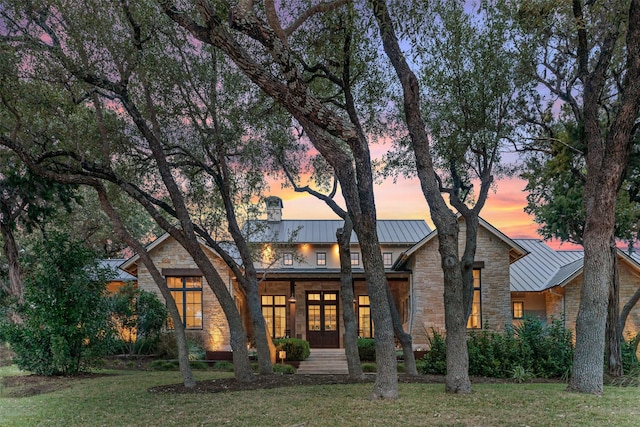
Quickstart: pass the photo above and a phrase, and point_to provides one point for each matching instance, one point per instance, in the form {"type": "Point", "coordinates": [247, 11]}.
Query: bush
{"type": "Point", "coordinates": [367, 349]}
{"type": "Point", "coordinates": [435, 361]}
{"type": "Point", "coordinates": [224, 366]}
{"type": "Point", "coordinates": [630, 364]}
{"type": "Point", "coordinates": [297, 349]}
{"type": "Point", "coordinates": [65, 316]}
{"type": "Point", "coordinates": [283, 369]}
{"type": "Point", "coordinates": [138, 319]}
{"type": "Point", "coordinates": [168, 347]}
{"type": "Point", "coordinates": [369, 367]}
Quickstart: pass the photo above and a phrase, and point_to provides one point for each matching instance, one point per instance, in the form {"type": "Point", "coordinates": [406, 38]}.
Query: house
{"type": "Point", "coordinates": [300, 280]}
{"type": "Point", "coordinates": [119, 277]}
{"type": "Point", "coordinates": [546, 284]}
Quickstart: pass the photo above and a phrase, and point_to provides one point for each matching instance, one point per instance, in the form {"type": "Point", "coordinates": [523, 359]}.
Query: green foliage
{"type": "Point", "coordinates": [630, 363]}
{"type": "Point", "coordinates": [168, 347]}
{"type": "Point", "coordinates": [528, 351]}
{"type": "Point", "coordinates": [223, 365]}
{"type": "Point", "coordinates": [367, 349]}
{"type": "Point", "coordinates": [138, 318]}
{"type": "Point", "coordinates": [369, 367]}
{"type": "Point", "coordinates": [65, 313]}
{"type": "Point", "coordinates": [174, 365]}
{"type": "Point", "coordinates": [435, 361]}
{"type": "Point", "coordinates": [297, 349]}
{"type": "Point", "coordinates": [283, 369]}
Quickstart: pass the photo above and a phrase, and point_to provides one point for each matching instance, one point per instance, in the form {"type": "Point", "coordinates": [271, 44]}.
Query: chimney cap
{"type": "Point", "coordinates": [273, 202]}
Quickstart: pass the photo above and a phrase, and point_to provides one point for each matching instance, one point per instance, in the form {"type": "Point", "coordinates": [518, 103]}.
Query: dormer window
{"type": "Point", "coordinates": [287, 258]}
{"type": "Point", "coordinates": [355, 258]}
{"type": "Point", "coordinates": [321, 259]}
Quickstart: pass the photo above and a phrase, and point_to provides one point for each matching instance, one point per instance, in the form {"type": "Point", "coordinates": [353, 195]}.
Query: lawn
{"type": "Point", "coordinates": [122, 398]}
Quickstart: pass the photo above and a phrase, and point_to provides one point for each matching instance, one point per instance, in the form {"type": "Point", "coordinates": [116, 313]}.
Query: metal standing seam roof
{"type": "Point", "coordinates": [324, 231]}
{"type": "Point", "coordinates": [543, 267]}
{"type": "Point", "coordinates": [114, 265]}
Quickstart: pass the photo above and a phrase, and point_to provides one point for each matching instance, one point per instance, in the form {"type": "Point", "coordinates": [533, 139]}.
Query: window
{"type": "Point", "coordinates": [274, 310]}
{"type": "Point", "coordinates": [187, 293]}
{"type": "Point", "coordinates": [365, 324]}
{"type": "Point", "coordinates": [355, 258]}
{"type": "Point", "coordinates": [321, 258]}
{"type": "Point", "coordinates": [518, 309]}
{"type": "Point", "coordinates": [287, 258]}
{"type": "Point", "coordinates": [387, 258]}
{"type": "Point", "coordinates": [475, 319]}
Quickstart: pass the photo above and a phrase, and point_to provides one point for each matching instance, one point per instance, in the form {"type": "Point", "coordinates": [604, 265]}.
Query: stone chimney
{"type": "Point", "coordinates": [274, 208]}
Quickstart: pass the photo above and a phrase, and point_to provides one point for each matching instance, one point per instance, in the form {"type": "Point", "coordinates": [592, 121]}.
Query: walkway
{"type": "Point", "coordinates": [324, 361]}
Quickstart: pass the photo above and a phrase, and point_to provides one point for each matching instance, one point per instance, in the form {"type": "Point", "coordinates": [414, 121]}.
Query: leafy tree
{"type": "Point", "coordinates": [138, 318]}
{"type": "Point", "coordinates": [586, 57]}
{"type": "Point", "coordinates": [65, 314]}
{"type": "Point", "coordinates": [458, 112]}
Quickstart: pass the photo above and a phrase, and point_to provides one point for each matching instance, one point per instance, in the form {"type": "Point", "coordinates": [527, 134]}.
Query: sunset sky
{"type": "Point", "coordinates": [404, 200]}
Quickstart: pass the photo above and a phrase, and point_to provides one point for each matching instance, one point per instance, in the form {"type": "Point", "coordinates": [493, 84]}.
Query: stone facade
{"type": "Point", "coordinates": [171, 255]}
{"type": "Point", "coordinates": [492, 258]}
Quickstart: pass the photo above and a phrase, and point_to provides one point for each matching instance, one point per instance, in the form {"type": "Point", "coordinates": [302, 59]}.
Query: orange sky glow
{"type": "Point", "coordinates": [404, 200]}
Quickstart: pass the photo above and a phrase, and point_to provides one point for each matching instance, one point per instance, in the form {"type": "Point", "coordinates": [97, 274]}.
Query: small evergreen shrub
{"type": "Point", "coordinates": [224, 366]}
{"type": "Point", "coordinates": [283, 369]}
{"type": "Point", "coordinates": [435, 361]}
{"type": "Point", "coordinates": [297, 349]}
{"type": "Point", "coordinates": [369, 367]}
{"type": "Point", "coordinates": [630, 363]}
{"type": "Point", "coordinates": [198, 365]}
{"type": "Point", "coordinates": [163, 365]}
{"type": "Point", "coordinates": [520, 374]}
{"type": "Point", "coordinates": [367, 349]}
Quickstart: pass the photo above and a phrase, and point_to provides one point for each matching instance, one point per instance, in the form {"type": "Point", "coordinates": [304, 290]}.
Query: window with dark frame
{"type": "Point", "coordinates": [274, 310]}
{"type": "Point", "coordinates": [518, 309]}
{"type": "Point", "coordinates": [355, 258]}
{"type": "Point", "coordinates": [321, 259]}
{"type": "Point", "coordinates": [387, 258]}
{"type": "Point", "coordinates": [287, 258]}
{"type": "Point", "coordinates": [475, 319]}
{"type": "Point", "coordinates": [187, 293]}
{"type": "Point", "coordinates": [365, 324]}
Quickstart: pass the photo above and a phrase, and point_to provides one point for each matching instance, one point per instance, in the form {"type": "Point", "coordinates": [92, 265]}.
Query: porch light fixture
{"type": "Point", "coordinates": [292, 299]}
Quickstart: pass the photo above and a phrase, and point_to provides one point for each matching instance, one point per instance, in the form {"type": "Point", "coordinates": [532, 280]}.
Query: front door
{"type": "Point", "coordinates": [322, 319]}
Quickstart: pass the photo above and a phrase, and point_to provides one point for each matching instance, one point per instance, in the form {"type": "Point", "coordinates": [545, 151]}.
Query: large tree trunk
{"type": "Point", "coordinates": [343, 236]}
{"type": "Point", "coordinates": [180, 336]}
{"type": "Point", "coordinates": [613, 335]}
{"type": "Point", "coordinates": [266, 357]}
{"type": "Point", "coordinates": [10, 249]}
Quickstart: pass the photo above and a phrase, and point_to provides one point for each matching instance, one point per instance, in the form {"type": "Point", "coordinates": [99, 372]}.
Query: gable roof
{"type": "Point", "coordinates": [322, 231]}
{"type": "Point", "coordinates": [228, 247]}
{"type": "Point", "coordinates": [545, 268]}
{"type": "Point", "coordinates": [119, 274]}
{"type": "Point", "coordinates": [516, 251]}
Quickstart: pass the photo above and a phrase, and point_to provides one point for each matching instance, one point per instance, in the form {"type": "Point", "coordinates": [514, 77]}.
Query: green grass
{"type": "Point", "coordinates": [122, 399]}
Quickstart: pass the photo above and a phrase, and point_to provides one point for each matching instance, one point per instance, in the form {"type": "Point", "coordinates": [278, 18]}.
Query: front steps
{"type": "Point", "coordinates": [324, 361]}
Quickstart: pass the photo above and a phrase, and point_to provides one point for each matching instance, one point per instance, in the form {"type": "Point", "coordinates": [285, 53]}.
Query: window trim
{"type": "Point", "coordinates": [513, 310]}
{"type": "Point", "coordinates": [390, 263]}
{"type": "Point", "coordinates": [476, 288]}
{"type": "Point", "coordinates": [324, 259]}
{"type": "Point", "coordinates": [370, 327]}
{"type": "Point", "coordinates": [272, 328]}
{"type": "Point", "coordinates": [184, 290]}
{"type": "Point", "coordinates": [287, 259]}
{"type": "Point", "coordinates": [355, 258]}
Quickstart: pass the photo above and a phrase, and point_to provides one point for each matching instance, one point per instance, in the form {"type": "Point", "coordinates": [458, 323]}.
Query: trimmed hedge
{"type": "Point", "coordinates": [367, 349]}
{"type": "Point", "coordinates": [297, 349]}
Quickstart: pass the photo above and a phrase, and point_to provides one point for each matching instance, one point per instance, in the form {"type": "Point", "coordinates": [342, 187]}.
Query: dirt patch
{"type": "Point", "coordinates": [32, 385]}
{"type": "Point", "coordinates": [276, 381]}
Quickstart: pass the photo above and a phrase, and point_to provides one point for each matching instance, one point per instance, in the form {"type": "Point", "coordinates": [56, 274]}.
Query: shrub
{"type": "Point", "coordinates": [435, 361]}
{"type": "Point", "coordinates": [138, 318]}
{"type": "Point", "coordinates": [283, 369]}
{"type": "Point", "coordinates": [548, 348]}
{"type": "Point", "coordinates": [520, 374]}
{"type": "Point", "coordinates": [224, 366]}
{"type": "Point", "coordinates": [630, 364]}
{"type": "Point", "coordinates": [297, 349]}
{"type": "Point", "coordinates": [65, 324]}
{"type": "Point", "coordinates": [168, 347]}
{"type": "Point", "coordinates": [369, 367]}
{"type": "Point", "coordinates": [367, 349]}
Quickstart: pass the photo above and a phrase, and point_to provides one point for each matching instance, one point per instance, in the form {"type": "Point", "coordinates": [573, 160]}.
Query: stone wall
{"type": "Point", "coordinates": [215, 330]}
{"type": "Point", "coordinates": [428, 305]}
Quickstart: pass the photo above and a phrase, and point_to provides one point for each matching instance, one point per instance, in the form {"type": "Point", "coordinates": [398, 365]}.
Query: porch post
{"type": "Point", "coordinates": [292, 309]}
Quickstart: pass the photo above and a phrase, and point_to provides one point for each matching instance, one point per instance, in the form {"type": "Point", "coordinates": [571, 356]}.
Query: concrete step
{"type": "Point", "coordinates": [324, 361]}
